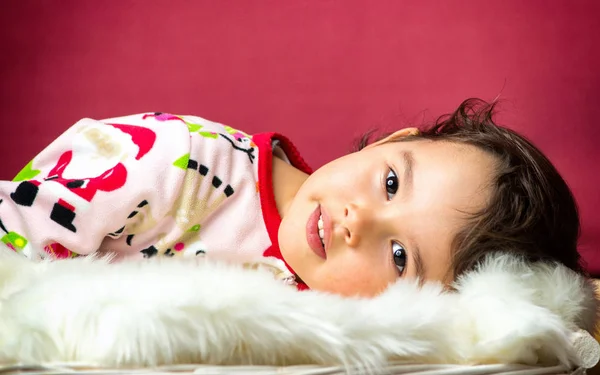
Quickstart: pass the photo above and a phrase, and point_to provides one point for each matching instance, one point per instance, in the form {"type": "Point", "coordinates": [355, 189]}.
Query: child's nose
{"type": "Point", "coordinates": [359, 222]}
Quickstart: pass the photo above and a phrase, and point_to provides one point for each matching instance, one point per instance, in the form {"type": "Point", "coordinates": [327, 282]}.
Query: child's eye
{"type": "Point", "coordinates": [391, 184]}
{"type": "Point", "coordinates": [399, 256]}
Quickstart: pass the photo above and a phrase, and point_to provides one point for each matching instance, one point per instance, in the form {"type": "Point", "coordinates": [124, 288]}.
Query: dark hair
{"type": "Point", "coordinates": [532, 212]}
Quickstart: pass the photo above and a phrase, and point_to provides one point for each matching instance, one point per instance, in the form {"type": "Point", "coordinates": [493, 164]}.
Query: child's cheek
{"type": "Point", "coordinates": [353, 278]}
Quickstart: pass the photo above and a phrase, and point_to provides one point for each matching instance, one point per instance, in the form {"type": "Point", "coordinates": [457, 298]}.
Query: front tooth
{"type": "Point", "coordinates": [320, 222]}
{"type": "Point", "coordinates": [321, 233]}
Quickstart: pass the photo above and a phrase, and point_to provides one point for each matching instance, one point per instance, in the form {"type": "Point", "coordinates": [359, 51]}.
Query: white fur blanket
{"type": "Point", "coordinates": [169, 311]}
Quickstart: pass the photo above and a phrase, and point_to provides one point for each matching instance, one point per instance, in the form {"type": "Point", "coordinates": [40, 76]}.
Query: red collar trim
{"type": "Point", "coordinates": [265, 186]}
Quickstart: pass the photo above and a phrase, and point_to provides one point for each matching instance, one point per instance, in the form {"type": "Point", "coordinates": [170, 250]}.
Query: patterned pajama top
{"type": "Point", "coordinates": [148, 185]}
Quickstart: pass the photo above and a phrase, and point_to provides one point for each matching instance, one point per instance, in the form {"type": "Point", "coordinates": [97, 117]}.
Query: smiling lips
{"type": "Point", "coordinates": [317, 232]}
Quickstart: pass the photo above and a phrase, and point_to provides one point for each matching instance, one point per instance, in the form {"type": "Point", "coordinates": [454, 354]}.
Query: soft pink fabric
{"type": "Point", "coordinates": [146, 185]}
{"type": "Point", "coordinates": [320, 72]}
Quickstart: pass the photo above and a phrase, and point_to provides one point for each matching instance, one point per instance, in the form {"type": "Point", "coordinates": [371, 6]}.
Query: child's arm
{"type": "Point", "coordinates": [84, 185]}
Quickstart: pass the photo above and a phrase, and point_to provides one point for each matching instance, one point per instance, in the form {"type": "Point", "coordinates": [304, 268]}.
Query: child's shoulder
{"type": "Point", "coordinates": [194, 124]}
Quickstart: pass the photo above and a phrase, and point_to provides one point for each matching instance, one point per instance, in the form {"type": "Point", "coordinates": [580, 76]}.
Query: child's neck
{"type": "Point", "coordinates": [286, 183]}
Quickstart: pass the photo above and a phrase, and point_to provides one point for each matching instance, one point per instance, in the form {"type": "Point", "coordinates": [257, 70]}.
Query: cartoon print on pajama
{"type": "Point", "coordinates": [13, 240]}
{"type": "Point", "coordinates": [143, 221]}
{"type": "Point", "coordinates": [190, 210]}
{"type": "Point", "coordinates": [70, 179]}
{"type": "Point", "coordinates": [193, 128]}
{"type": "Point", "coordinates": [248, 151]}
{"type": "Point", "coordinates": [244, 140]}
{"type": "Point", "coordinates": [138, 221]}
{"type": "Point", "coordinates": [58, 251]}
{"type": "Point", "coordinates": [20, 244]}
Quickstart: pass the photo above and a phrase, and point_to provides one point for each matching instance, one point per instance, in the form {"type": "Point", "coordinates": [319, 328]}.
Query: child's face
{"type": "Point", "coordinates": [389, 211]}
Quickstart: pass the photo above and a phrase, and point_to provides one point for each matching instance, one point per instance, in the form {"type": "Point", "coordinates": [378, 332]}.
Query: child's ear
{"type": "Point", "coordinates": [402, 133]}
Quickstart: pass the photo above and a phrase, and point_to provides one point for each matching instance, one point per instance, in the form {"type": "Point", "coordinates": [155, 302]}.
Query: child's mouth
{"type": "Point", "coordinates": [315, 233]}
{"type": "Point", "coordinates": [321, 230]}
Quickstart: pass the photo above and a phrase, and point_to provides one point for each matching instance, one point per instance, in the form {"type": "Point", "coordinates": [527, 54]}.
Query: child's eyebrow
{"type": "Point", "coordinates": [419, 265]}
{"type": "Point", "coordinates": [409, 162]}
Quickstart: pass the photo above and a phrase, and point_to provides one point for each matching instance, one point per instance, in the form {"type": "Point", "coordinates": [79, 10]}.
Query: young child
{"type": "Point", "coordinates": [416, 203]}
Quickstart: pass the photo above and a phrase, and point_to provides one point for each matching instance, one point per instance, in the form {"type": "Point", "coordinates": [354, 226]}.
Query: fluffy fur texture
{"type": "Point", "coordinates": [168, 311]}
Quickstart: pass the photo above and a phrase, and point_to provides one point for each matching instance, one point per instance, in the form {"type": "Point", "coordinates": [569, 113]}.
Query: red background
{"type": "Point", "coordinates": [321, 72]}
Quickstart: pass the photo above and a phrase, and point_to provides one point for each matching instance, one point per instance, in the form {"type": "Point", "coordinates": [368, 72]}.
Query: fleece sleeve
{"type": "Point", "coordinates": [83, 187]}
